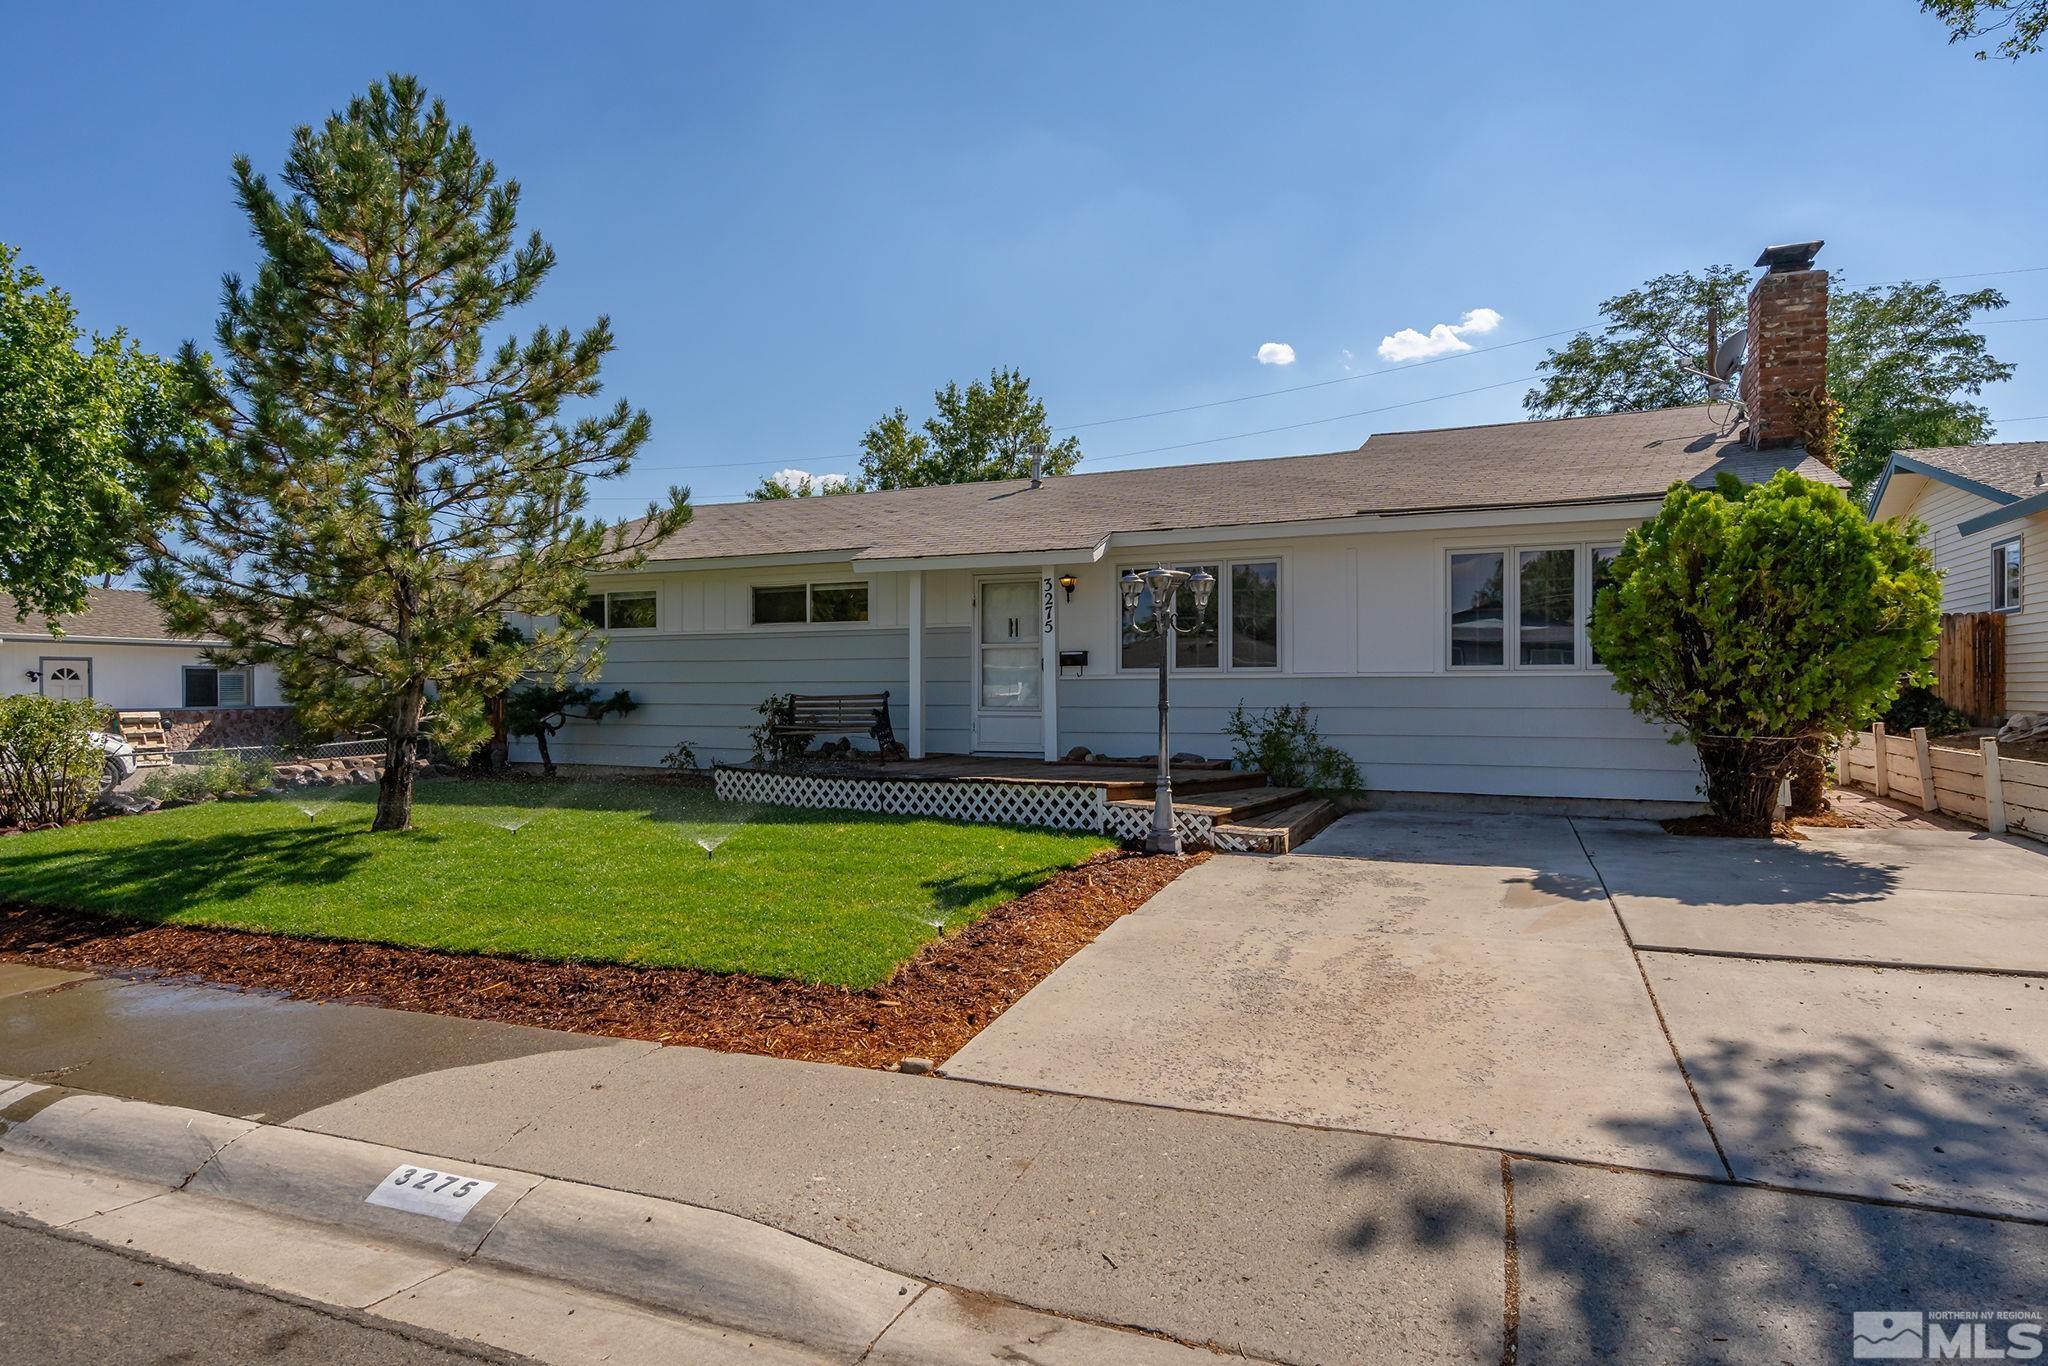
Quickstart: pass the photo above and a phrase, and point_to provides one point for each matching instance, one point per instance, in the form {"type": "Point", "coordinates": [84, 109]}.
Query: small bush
{"type": "Point", "coordinates": [217, 777]}
{"type": "Point", "coordinates": [770, 746]}
{"type": "Point", "coordinates": [1918, 706]}
{"type": "Point", "coordinates": [1287, 746]}
{"type": "Point", "coordinates": [49, 766]}
{"type": "Point", "coordinates": [681, 759]}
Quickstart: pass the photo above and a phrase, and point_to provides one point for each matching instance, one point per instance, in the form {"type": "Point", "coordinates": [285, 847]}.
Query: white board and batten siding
{"type": "Point", "coordinates": [1363, 642]}
{"type": "Point", "coordinates": [1965, 565]}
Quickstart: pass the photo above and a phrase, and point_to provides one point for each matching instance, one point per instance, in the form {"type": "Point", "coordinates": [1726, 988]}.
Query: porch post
{"type": "Point", "coordinates": [1049, 660]}
{"type": "Point", "coordinates": [915, 703]}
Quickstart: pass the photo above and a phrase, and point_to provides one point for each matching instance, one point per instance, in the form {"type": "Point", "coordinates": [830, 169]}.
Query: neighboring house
{"type": "Point", "coordinates": [119, 653]}
{"type": "Point", "coordinates": [1986, 510]}
{"type": "Point", "coordinates": [1426, 594]}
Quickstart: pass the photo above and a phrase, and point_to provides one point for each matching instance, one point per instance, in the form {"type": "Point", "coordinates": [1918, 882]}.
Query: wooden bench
{"type": "Point", "coordinates": [845, 714]}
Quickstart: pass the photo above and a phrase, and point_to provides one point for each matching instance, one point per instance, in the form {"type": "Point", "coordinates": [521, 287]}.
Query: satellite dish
{"type": "Point", "coordinates": [1727, 358]}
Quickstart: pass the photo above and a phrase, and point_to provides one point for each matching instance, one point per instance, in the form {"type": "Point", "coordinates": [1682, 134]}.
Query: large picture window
{"type": "Point", "coordinates": [620, 611]}
{"type": "Point", "coordinates": [789, 604]}
{"type": "Point", "coordinates": [1523, 607]}
{"type": "Point", "coordinates": [1239, 629]}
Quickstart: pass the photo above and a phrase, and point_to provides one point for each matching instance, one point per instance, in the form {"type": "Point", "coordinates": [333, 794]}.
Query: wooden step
{"type": "Point", "coordinates": [1237, 804]}
{"type": "Point", "coordinates": [1184, 784]}
{"type": "Point", "coordinates": [1280, 831]}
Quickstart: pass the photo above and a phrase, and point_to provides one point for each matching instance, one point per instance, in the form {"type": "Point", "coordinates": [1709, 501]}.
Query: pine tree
{"type": "Point", "coordinates": [382, 483]}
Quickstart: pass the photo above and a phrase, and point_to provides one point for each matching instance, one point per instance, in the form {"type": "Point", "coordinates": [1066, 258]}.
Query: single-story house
{"type": "Point", "coordinates": [1986, 512]}
{"type": "Point", "coordinates": [118, 652]}
{"type": "Point", "coordinates": [1425, 594]}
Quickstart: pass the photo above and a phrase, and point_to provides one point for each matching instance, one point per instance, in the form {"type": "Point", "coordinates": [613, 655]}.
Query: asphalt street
{"type": "Point", "coordinates": [67, 1301]}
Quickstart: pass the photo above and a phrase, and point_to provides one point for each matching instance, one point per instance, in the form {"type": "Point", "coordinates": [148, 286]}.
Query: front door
{"type": "Point", "coordinates": [1008, 669]}
{"type": "Point", "coordinates": [67, 680]}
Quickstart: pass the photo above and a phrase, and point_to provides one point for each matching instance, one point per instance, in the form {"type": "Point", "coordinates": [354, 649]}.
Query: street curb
{"type": "Point", "coordinates": [159, 1145]}
{"type": "Point", "coordinates": [697, 1264]}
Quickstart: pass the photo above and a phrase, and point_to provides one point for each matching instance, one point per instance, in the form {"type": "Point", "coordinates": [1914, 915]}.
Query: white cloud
{"type": "Point", "coordinates": [1276, 353]}
{"type": "Point", "coordinates": [1441, 340]}
{"type": "Point", "coordinates": [794, 480]}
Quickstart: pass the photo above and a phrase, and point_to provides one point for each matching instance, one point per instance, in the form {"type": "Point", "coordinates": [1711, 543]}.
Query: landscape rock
{"type": "Point", "coordinates": [2024, 726]}
{"type": "Point", "coordinates": [1078, 754]}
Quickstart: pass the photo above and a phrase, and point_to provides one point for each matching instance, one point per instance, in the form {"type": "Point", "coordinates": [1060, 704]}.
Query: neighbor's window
{"type": "Point", "coordinates": [1478, 609]}
{"type": "Point", "coordinates": [794, 603]}
{"type": "Point", "coordinates": [2005, 576]}
{"type": "Point", "coordinates": [1547, 629]}
{"type": "Point", "coordinates": [1240, 625]}
{"type": "Point", "coordinates": [1603, 576]}
{"type": "Point", "coordinates": [620, 611]}
{"type": "Point", "coordinates": [206, 686]}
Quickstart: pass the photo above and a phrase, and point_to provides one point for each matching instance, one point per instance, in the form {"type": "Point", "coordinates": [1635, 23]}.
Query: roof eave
{"type": "Point", "coordinates": [2011, 512]}
{"type": "Point", "coordinates": [1898, 461]}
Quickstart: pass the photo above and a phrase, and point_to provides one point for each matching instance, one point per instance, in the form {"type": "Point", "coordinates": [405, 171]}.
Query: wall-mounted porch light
{"type": "Point", "coordinates": [1070, 583]}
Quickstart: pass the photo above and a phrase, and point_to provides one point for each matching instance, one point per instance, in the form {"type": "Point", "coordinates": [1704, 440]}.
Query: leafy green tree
{"type": "Point", "coordinates": [1902, 362]}
{"type": "Point", "coordinates": [539, 710]}
{"type": "Point", "coordinates": [789, 484]}
{"type": "Point", "coordinates": [984, 431]}
{"type": "Point", "coordinates": [2025, 23]}
{"type": "Point", "coordinates": [385, 484]}
{"type": "Point", "coordinates": [79, 419]}
{"type": "Point", "coordinates": [1764, 622]}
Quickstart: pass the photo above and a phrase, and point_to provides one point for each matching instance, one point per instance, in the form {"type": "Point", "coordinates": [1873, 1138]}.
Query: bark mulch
{"type": "Point", "coordinates": [935, 1003]}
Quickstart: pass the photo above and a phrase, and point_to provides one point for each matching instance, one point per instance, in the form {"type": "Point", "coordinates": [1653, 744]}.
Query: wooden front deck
{"type": "Point", "coordinates": [1119, 781]}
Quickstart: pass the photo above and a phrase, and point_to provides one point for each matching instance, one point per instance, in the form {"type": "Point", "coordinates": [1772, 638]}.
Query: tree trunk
{"type": "Point", "coordinates": [547, 760]}
{"type": "Point", "coordinates": [401, 755]}
{"type": "Point", "coordinates": [1742, 780]}
{"type": "Point", "coordinates": [1810, 781]}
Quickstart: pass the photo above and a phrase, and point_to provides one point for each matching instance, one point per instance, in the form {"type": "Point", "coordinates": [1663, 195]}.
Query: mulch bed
{"type": "Point", "coordinates": [1713, 827]}
{"type": "Point", "coordinates": [935, 1003]}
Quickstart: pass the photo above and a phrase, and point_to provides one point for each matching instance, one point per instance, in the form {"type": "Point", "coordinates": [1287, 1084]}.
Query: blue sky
{"type": "Point", "coordinates": [801, 216]}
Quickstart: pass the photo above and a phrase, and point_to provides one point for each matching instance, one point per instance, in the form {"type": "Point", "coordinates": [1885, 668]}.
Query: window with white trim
{"type": "Point", "coordinates": [206, 686]}
{"type": "Point", "coordinates": [1603, 557]}
{"type": "Point", "coordinates": [1239, 629]}
{"type": "Point", "coordinates": [2005, 576]}
{"type": "Point", "coordinates": [631, 611]}
{"type": "Point", "coordinates": [794, 604]}
{"type": "Point", "coordinates": [1517, 607]}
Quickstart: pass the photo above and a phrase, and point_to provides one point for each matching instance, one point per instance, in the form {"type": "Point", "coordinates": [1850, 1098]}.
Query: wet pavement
{"type": "Point", "coordinates": [235, 1052]}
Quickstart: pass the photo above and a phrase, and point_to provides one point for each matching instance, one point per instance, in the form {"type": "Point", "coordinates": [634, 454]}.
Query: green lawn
{"type": "Point", "coordinates": [580, 871]}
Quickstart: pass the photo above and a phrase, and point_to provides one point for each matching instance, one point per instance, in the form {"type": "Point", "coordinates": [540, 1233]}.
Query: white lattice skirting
{"type": "Point", "coordinates": [1129, 823]}
{"type": "Point", "coordinates": [1055, 806]}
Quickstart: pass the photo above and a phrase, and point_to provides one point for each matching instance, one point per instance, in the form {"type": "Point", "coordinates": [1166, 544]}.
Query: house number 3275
{"type": "Point", "coordinates": [1048, 605]}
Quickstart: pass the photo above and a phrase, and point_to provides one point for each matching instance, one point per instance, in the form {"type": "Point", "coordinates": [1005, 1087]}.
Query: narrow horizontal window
{"type": "Point", "coordinates": [780, 605]}
{"type": "Point", "coordinates": [839, 602]}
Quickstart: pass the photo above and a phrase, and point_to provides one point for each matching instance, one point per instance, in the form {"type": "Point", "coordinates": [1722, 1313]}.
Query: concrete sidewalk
{"type": "Point", "coordinates": [1272, 1240]}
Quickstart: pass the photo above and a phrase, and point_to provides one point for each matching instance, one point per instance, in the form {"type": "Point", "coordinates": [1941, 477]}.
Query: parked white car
{"type": "Point", "coordinates": [117, 762]}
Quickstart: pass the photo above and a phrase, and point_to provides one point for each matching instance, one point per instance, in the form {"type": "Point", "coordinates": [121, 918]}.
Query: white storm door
{"type": "Point", "coordinates": [67, 680]}
{"type": "Point", "coordinates": [1009, 676]}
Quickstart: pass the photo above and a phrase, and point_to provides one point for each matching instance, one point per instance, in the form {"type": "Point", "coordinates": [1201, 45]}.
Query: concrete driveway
{"type": "Point", "coordinates": [1865, 1013]}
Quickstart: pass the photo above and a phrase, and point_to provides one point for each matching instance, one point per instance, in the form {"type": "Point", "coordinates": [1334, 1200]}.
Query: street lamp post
{"type": "Point", "coordinates": [1165, 585]}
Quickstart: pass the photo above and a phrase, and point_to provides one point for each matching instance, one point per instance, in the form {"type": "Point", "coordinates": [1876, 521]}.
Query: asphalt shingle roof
{"type": "Point", "coordinates": [1564, 461]}
{"type": "Point", "coordinates": [2008, 466]}
{"type": "Point", "coordinates": [110, 614]}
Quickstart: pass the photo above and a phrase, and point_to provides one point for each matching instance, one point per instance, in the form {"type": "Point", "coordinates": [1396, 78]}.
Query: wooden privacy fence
{"type": "Point", "coordinates": [1976, 784]}
{"type": "Point", "coordinates": [1969, 664]}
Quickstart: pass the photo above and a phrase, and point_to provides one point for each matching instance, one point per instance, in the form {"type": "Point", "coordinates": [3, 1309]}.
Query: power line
{"type": "Point", "coordinates": [814, 459]}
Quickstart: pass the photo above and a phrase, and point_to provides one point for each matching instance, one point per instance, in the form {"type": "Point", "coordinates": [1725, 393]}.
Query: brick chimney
{"type": "Point", "coordinates": [1785, 373]}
